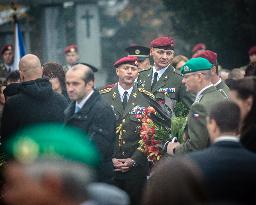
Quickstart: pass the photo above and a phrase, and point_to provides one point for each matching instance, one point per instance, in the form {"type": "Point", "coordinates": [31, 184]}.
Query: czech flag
{"type": "Point", "coordinates": [19, 46]}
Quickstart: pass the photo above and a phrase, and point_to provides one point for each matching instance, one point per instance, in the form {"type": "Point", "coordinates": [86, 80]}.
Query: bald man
{"type": "Point", "coordinates": [92, 115]}
{"type": "Point", "coordinates": [33, 101]}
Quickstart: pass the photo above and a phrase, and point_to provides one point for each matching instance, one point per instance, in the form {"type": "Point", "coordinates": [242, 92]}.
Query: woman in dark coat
{"type": "Point", "coordinates": [243, 92]}
{"type": "Point", "coordinates": [56, 75]}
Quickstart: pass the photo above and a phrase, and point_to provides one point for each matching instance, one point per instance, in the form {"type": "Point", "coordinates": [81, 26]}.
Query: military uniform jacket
{"type": "Point", "coordinates": [66, 67]}
{"type": "Point", "coordinates": [169, 85]}
{"type": "Point", "coordinates": [3, 72]}
{"type": "Point", "coordinates": [127, 129]}
{"type": "Point", "coordinates": [198, 136]}
{"type": "Point", "coordinates": [223, 89]}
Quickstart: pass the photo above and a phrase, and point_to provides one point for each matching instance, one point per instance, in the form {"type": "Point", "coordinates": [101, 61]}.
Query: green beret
{"type": "Point", "coordinates": [196, 64]}
{"type": "Point", "coordinates": [52, 141]}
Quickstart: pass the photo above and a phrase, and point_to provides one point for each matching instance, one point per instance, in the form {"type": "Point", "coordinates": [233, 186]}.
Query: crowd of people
{"type": "Point", "coordinates": [65, 142]}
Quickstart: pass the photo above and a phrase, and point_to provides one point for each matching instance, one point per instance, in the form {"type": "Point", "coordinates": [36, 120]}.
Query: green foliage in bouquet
{"type": "Point", "coordinates": [181, 110]}
{"type": "Point", "coordinates": [162, 133]}
{"type": "Point", "coordinates": [178, 121]}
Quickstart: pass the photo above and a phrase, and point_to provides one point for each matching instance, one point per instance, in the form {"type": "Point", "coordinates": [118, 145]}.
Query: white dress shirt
{"type": "Point", "coordinates": [227, 138]}
{"type": "Point", "coordinates": [84, 100]}
{"type": "Point", "coordinates": [121, 92]}
{"type": "Point", "coordinates": [160, 73]}
{"type": "Point", "coordinates": [219, 81]}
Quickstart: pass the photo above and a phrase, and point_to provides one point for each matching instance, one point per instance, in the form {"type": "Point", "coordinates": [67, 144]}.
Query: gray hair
{"type": "Point", "coordinates": [207, 74]}
{"type": "Point", "coordinates": [75, 177]}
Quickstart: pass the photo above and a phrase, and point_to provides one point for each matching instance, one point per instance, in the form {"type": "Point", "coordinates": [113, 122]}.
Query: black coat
{"type": "Point", "coordinates": [248, 139]}
{"type": "Point", "coordinates": [97, 119]}
{"type": "Point", "coordinates": [229, 171]}
{"type": "Point", "coordinates": [30, 103]}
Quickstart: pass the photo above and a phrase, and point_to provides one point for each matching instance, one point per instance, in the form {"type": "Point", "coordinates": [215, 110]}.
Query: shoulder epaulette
{"type": "Point", "coordinates": [143, 71]}
{"type": "Point", "coordinates": [142, 90]}
{"type": "Point", "coordinates": [105, 90]}
{"type": "Point", "coordinates": [177, 72]}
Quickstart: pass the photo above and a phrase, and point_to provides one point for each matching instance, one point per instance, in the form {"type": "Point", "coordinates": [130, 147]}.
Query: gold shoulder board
{"type": "Point", "coordinates": [105, 90]}
{"type": "Point", "coordinates": [142, 90]}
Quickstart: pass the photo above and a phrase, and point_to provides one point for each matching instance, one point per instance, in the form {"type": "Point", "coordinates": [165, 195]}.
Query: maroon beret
{"type": "Point", "coordinates": [209, 55]}
{"type": "Point", "coordinates": [7, 47]}
{"type": "Point", "coordinates": [164, 42]}
{"type": "Point", "coordinates": [252, 50]}
{"type": "Point", "coordinates": [132, 60]}
{"type": "Point", "coordinates": [199, 46]}
{"type": "Point", "coordinates": [70, 48]}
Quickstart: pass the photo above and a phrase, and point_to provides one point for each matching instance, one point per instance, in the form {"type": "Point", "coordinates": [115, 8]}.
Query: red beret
{"type": "Point", "coordinates": [6, 48]}
{"type": "Point", "coordinates": [70, 48]}
{"type": "Point", "coordinates": [199, 46]}
{"type": "Point", "coordinates": [252, 50]}
{"type": "Point", "coordinates": [132, 60]}
{"type": "Point", "coordinates": [163, 42]}
{"type": "Point", "coordinates": [209, 55]}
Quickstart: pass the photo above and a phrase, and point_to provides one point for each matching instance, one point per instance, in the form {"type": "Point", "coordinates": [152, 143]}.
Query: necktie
{"type": "Point", "coordinates": [77, 108]}
{"type": "Point", "coordinates": [154, 80]}
{"type": "Point", "coordinates": [125, 99]}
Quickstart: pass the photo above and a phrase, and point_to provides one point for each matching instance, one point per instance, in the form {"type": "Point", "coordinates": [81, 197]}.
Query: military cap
{"type": "Point", "coordinates": [252, 51]}
{"type": "Point", "coordinates": [7, 47]}
{"type": "Point", "coordinates": [196, 64]}
{"type": "Point", "coordinates": [199, 46]}
{"type": "Point", "coordinates": [164, 42]}
{"type": "Point", "coordinates": [51, 141]}
{"type": "Point", "coordinates": [94, 69]}
{"type": "Point", "coordinates": [209, 55]}
{"type": "Point", "coordinates": [132, 60]}
{"type": "Point", "coordinates": [70, 48]}
{"type": "Point", "coordinates": [141, 52]}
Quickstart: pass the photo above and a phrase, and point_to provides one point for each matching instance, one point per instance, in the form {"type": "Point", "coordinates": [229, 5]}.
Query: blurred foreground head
{"type": "Point", "coordinates": [175, 181]}
{"type": "Point", "coordinates": [48, 164]}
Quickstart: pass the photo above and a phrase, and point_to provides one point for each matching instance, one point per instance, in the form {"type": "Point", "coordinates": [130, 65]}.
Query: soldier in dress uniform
{"type": "Point", "coordinates": [216, 80]}
{"type": "Point", "coordinates": [71, 55]}
{"type": "Point", "coordinates": [142, 53]}
{"type": "Point", "coordinates": [197, 78]}
{"type": "Point", "coordinates": [131, 165]}
{"type": "Point", "coordinates": [7, 66]}
{"type": "Point", "coordinates": [162, 79]}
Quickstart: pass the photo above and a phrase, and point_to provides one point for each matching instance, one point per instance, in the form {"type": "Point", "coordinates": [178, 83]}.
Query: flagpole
{"type": "Point", "coordinates": [14, 8]}
{"type": "Point", "coordinates": [19, 45]}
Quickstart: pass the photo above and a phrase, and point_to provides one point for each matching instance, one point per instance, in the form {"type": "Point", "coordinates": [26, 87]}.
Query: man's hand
{"type": "Point", "coordinates": [171, 146]}
{"type": "Point", "coordinates": [123, 165]}
{"type": "Point", "coordinates": [117, 163]}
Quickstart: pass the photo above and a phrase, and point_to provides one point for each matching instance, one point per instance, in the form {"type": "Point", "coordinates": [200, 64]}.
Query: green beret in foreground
{"type": "Point", "coordinates": [52, 141]}
{"type": "Point", "coordinates": [196, 64]}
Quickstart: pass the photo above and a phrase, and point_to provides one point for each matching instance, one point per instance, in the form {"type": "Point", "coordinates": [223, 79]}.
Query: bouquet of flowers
{"type": "Point", "coordinates": [155, 129]}
{"type": "Point", "coordinates": [152, 134]}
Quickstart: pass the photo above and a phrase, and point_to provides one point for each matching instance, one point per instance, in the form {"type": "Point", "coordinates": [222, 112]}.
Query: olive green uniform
{"type": "Point", "coordinates": [128, 136]}
{"type": "Point", "coordinates": [169, 86]}
{"type": "Point", "coordinates": [223, 89]}
{"type": "Point", "coordinates": [66, 67]}
{"type": "Point", "coordinates": [3, 72]}
{"type": "Point", "coordinates": [198, 136]}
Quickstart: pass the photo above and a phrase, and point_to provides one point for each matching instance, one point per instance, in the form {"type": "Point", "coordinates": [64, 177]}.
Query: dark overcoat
{"type": "Point", "coordinates": [96, 118]}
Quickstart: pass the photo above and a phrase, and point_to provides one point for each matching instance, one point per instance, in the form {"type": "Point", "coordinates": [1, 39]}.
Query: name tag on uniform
{"type": "Point", "coordinates": [167, 91]}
